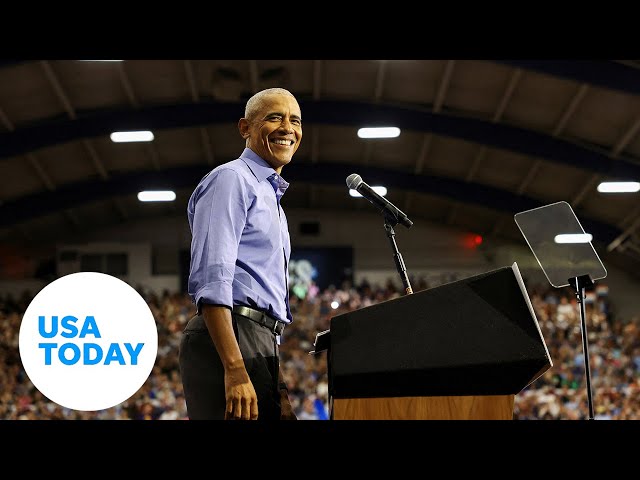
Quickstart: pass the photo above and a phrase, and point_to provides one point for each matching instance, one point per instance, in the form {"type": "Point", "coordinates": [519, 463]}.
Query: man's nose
{"type": "Point", "coordinates": [286, 125]}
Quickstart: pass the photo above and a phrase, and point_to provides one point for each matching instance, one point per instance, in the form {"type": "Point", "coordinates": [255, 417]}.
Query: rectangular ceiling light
{"type": "Point", "coordinates": [619, 187]}
{"type": "Point", "coordinates": [378, 132]}
{"type": "Point", "coordinates": [133, 136]}
{"type": "Point", "coordinates": [382, 191]}
{"type": "Point", "coordinates": [157, 196]}
{"type": "Point", "coordinates": [573, 238]}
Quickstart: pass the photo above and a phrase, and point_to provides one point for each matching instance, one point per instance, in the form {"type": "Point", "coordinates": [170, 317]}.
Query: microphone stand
{"type": "Point", "coordinates": [397, 256]}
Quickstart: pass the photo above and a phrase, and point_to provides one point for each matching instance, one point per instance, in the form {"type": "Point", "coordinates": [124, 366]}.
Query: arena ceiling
{"type": "Point", "coordinates": [481, 140]}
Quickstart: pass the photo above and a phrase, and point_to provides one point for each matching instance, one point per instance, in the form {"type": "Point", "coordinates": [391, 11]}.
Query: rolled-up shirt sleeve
{"type": "Point", "coordinates": [219, 209]}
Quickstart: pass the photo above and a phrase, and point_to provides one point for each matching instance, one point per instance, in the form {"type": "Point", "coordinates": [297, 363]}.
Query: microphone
{"type": "Point", "coordinates": [390, 211]}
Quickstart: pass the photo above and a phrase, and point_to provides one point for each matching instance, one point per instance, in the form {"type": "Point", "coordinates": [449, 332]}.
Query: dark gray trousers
{"type": "Point", "coordinates": [203, 374]}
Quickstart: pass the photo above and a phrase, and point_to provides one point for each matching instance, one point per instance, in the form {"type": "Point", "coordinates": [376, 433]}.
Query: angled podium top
{"type": "Point", "coordinates": [476, 336]}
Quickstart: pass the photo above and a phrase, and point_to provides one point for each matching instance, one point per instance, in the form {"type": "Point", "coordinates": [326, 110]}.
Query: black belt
{"type": "Point", "coordinates": [276, 326]}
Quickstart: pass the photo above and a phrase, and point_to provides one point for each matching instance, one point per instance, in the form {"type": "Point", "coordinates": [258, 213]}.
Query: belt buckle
{"type": "Point", "coordinates": [266, 317]}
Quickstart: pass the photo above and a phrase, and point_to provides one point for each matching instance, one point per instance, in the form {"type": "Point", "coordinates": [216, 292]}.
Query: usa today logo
{"type": "Point", "coordinates": [88, 341]}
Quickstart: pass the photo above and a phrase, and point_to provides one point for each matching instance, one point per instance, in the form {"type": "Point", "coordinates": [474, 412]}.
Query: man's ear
{"type": "Point", "coordinates": [243, 127]}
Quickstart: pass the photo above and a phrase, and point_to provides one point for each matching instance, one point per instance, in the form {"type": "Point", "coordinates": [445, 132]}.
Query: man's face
{"type": "Point", "coordinates": [276, 130]}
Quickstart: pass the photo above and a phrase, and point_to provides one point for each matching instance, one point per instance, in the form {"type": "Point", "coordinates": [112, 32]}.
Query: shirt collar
{"type": "Point", "coordinates": [261, 169]}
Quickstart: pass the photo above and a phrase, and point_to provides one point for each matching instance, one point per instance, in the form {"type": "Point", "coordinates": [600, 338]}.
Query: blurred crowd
{"type": "Point", "coordinates": [560, 393]}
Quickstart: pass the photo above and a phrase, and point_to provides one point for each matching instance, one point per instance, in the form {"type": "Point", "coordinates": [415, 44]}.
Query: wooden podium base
{"type": "Point", "coordinates": [483, 407]}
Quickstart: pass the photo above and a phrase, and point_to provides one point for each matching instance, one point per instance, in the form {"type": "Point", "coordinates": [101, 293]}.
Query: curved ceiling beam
{"type": "Point", "coordinates": [355, 114]}
{"type": "Point", "coordinates": [602, 73]}
{"type": "Point", "coordinates": [6, 63]}
{"type": "Point", "coordinates": [40, 204]}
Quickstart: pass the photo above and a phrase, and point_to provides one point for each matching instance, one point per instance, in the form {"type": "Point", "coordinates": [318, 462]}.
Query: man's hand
{"type": "Point", "coordinates": [242, 401]}
{"type": "Point", "coordinates": [286, 410]}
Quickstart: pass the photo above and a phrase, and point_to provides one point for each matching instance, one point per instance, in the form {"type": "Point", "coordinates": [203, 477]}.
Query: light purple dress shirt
{"type": "Point", "coordinates": [240, 244]}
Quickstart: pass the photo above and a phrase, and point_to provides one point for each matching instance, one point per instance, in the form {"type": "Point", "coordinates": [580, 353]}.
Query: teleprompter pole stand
{"type": "Point", "coordinates": [579, 284]}
{"type": "Point", "coordinates": [397, 256]}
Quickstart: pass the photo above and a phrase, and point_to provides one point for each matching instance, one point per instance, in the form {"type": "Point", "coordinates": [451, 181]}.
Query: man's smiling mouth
{"type": "Point", "coordinates": [286, 143]}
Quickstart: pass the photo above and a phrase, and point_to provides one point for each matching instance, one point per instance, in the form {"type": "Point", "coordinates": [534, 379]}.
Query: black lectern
{"type": "Point", "coordinates": [462, 350]}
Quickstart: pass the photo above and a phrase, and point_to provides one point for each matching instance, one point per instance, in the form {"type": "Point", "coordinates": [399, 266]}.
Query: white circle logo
{"type": "Point", "coordinates": [88, 341]}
